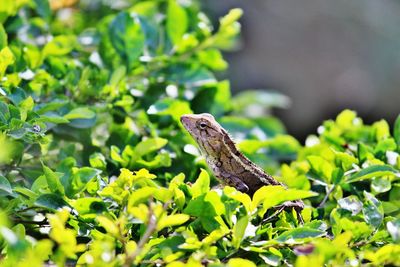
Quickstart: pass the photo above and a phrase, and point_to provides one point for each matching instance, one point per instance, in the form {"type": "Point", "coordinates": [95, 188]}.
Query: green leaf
{"type": "Point", "coordinates": [89, 205]}
{"type": "Point", "coordinates": [239, 230]}
{"type": "Point", "coordinates": [202, 184]}
{"type": "Point", "coordinates": [372, 171]}
{"type": "Point", "coordinates": [52, 118]}
{"type": "Point", "coordinates": [321, 167]}
{"type": "Point", "coordinates": [393, 228]}
{"type": "Point", "coordinates": [381, 185]}
{"type": "Point", "coordinates": [272, 257]}
{"type": "Point", "coordinates": [383, 146]}
{"type": "Point", "coordinates": [118, 75]}
{"type": "Point", "coordinates": [299, 235]}
{"type": "Point", "coordinates": [345, 160]}
{"type": "Point", "coordinates": [54, 105]}
{"type": "Point", "coordinates": [337, 176]}
{"type": "Point", "coordinates": [3, 37]}
{"type": "Point", "coordinates": [213, 59]}
{"type": "Point", "coordinates": [231, 17]}
{"type": "Point", "coordinates": [60, 45]}
{"type": "Point", "coordinates": [177, 21]}
{"type": "Point", "coordinates": [141, 195]}
{"type": "Point", "coordinates": [172, 220]}
{"type": "Point", "coordinates": [162, 159]}
{"type": "Point", "coordinates": [170, 107]}
{"type": "Point", "coordinates": [53, 180]}
{"type": "Point", "coordinates": [372, 210]}
{"type": "Point", "coordinates": [351, 203]}
{"type": "Point", "coordinates": [108, 225]}
{"type": "Point", "coordinates": [396, 131]}
{"type": "Point", "coordinates": [127, 37]}
{"type": "Point", "coordinates": [80, 113]}
{"type": "Point", "coordinates": [362, 151]}
{"type": "Point", "coordinates": [280, 144]}
{"type": "Point", "coordinates": [275, 195]}
{"type": "Point", "coordinates": [9, 8]}
{"type": "Point", "coordinates": [199, 207]}
{"type": "Point", "coordinates": [98, 161]}
{"type": "Point", "coordinates": [214, 236]}
{"type": "Point", "coordinates": [43, 8]}
{"type": "Point", "coordinates": [261, 100]}
{"type": "Point", "coordinates": [149, 145]}
{"type": "Point", "coordinates": [346, 118]}
{"type": "Point", "coordinates": [25, 106]}
{"type": "Point", "coordinates": [228, 30]}
{"type": "Point", "coordinates": [26, 192]}
{"type": "Point", "coordinates": [5, 186]}
{"type": "Point", "coordinates": [241, 197]}
{"type": "Point", "coordinates": [51, 201]}
{"type": "Point", "coordinates": [81, 177]}
{"type": "Point", "coordinates": [40, 185]}
{"type": "Point", "coordinates": [213, 198]}
{"type": "Point", "coordinates": [6, 58]}
{"type": "Point", "coordinates": [239, 262]}
{"type": "Point", "coordinates": [214, 98]}
{"type": "Point", "coordinates": [381, 129]}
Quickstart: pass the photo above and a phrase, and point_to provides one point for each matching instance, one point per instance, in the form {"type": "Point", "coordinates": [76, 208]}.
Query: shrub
{"type": "Point", "coordinates": [96, 168]}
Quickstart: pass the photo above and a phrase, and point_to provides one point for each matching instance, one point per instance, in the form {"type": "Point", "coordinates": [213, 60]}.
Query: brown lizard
{"type": "Point", "coordinates": [227, 163]}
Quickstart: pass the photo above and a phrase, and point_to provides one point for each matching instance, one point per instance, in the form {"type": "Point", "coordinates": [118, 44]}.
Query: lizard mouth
{"type": "Point", "coordinates": [185, 120]}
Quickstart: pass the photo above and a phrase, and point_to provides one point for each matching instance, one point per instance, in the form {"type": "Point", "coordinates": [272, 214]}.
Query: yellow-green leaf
{"type": "Point", "coordinates": [172, 220]}
{"type": "Point", "coordinates": [202, 184]}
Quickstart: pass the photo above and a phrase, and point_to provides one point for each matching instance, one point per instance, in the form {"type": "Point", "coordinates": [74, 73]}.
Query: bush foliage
{"type": "Point", "coordinates": [96, 169]}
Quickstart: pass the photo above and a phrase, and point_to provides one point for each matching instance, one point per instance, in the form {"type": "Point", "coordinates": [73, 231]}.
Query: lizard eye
{"type": "Point", "coordinates": [202, 125]}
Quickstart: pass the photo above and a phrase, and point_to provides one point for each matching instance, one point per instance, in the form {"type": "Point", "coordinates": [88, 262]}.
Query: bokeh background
{"type": "Point", "coordinates": [325, 55]}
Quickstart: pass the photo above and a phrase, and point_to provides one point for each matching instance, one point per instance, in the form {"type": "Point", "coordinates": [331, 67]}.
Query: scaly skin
{"type": "Point", "coordinates": [227, 163]}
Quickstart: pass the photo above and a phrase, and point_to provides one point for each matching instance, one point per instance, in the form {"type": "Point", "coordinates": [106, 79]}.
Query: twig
{"type": "Point", "coordinates": [151, 227]}
{"type": "Point", "coordinates": [326, 196]}
{"type": "Point", "coordinates": [274, 214]}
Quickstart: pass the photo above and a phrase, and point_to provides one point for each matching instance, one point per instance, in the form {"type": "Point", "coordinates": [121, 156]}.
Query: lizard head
{"type": "Point", "coordinates": [205, 130]}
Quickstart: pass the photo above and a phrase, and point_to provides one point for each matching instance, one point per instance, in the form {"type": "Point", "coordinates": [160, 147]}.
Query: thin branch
{"type": "Point", "coordinates": [151, 228]}
{"type": "Point", "coordinates": [326, 196]}
{"type": "Point", "coordinates": [274, 214]}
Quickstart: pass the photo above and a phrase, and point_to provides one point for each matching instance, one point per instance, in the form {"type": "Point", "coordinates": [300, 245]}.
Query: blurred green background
{"type": "Point", "coordinates": [325, 55]}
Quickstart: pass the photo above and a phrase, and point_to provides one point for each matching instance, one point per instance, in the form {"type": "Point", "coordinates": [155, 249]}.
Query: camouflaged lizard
{"type": "Point", "coordinates": [227, 163]}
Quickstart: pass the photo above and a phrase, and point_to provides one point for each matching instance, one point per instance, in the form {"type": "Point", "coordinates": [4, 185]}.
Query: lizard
{"type": "Point", "coordinates": [227, 163]}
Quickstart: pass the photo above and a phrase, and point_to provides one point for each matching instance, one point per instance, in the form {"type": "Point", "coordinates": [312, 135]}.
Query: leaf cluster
{"type": "Point", "coordinates": [96, 169]}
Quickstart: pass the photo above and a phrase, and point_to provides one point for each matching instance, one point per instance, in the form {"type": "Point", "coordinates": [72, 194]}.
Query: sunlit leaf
{"type": "Point", "coordinates": [80, 113]}
{"type": "Point", "coordinates": [238, 262]}
{"type": "Point", "coordinates": [60, 45]}
{"type": "Point", "coordinates": [172, 220]}
{"type": "Point", "coordinates": [177, 21]}
{"type": "Point", "coordinates": [6, 58]}
{"type": "Point", "coordinates": [372, 171]}
{"type": "Point", "coordinates": [275, 195]}
{"type": "Point", "coordinates": [239, 229]}
{"type": "Point", "coordinates": [202, 184]}
{"type": "Point", "coordinates": [3, 37]}
{"type": "Point", "coordinates": [321, 166]}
